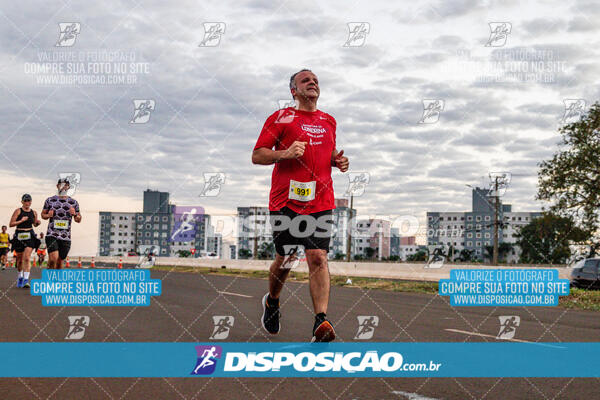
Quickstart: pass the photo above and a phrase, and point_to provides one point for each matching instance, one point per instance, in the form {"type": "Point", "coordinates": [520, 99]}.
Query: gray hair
{"type": "Point", "coordinates": [293, 78]}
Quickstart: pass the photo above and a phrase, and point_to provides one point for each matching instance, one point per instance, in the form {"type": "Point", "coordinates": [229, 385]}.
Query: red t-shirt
{"type": "Point", "coordinates": [317, 128]}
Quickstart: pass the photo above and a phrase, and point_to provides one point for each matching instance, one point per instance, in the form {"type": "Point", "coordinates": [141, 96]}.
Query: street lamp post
{"type": "Point", "coordinates": [349, 246]}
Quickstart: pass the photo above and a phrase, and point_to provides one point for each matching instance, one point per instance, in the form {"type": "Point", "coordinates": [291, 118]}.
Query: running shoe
{"type": "Point", "coordinates": [323, 329]}
{"type": "Point", "coordinates": [270, 317]}
{"type": "Point", "coordinates": [20, 282]}
{"type": "Point", "coordinates": [26, 284]}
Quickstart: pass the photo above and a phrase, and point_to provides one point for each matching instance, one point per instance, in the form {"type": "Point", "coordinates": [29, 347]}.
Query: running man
{"type": "Point", "coordinates": [41, 251]}
{"type": "Point", "coordinates": [61, 210]}
{"type": "Point", "coordinates": [301, 190]}
{"type": "Point", "coordinates": [24, 240]}
{"type": "Point", "coordinates": [4, 243]}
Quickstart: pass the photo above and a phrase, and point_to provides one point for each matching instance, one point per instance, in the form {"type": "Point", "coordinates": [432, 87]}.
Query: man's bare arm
{"type": "Point", "coordinates": [264, 156]}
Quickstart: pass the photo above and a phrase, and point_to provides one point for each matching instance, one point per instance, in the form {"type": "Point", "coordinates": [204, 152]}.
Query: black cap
{"type": "Point", "coordinates": [26, 197]}
{"type": "Point", "coordinates": [63, 180]}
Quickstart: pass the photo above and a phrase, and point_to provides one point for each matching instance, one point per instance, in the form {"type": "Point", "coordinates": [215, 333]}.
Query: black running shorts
{"type": "Point", "coordinates": [312, 231]}
{"type": "Point", "coordinates": [62, 246]}
{"type": "Point", "coordinates": [19, 245]}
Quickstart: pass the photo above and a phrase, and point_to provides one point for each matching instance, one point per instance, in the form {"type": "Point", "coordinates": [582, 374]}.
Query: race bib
{"type": "Point", "coordinates": [24, 235]}
{"type": "Point", "coordinates": [61, 224]}
{"type": "Point", "coordinates": [302, 191]}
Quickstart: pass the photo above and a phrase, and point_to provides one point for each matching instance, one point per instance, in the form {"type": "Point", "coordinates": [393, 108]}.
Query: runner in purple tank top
{"type": "Point", "coordinates": [61, 210]}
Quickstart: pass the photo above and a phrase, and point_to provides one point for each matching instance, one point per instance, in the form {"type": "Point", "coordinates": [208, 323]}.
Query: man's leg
{"type": "Point", "coordinates": [52, 258]}
{"type": "Point", "coordinates": [319, 281]}
{"type": "Point", "coordinates": [277, 276]}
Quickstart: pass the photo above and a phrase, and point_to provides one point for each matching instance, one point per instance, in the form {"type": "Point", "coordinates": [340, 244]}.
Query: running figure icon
{"type": "Point", "coordinates": [187, 223]}
{"type": "Point", "coordinates": [207, 361]}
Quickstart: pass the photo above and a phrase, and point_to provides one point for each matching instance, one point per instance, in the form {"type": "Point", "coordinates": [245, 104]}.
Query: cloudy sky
{"type": "Point", "coordinates": [503, 96]}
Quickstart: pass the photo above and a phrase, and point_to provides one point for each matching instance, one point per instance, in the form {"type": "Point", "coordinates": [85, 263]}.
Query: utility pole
{"type": "Point", "coordinates": [496, 222]}
{"type": "Point", "coordinates": [349, 246]}
{"type": "Point", "coordinates": [255, 253]}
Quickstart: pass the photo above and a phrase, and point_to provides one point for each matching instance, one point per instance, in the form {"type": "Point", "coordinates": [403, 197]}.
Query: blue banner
{"type": "Point", "coordinates": [96, 287]}
{"type": "Point", "coordinates": [504, 287]}
{"type": "Point", "coordinates": [226, 359]}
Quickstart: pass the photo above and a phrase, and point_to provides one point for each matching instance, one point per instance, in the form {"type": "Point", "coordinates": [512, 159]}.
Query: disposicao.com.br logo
{"type": "Point", "coordinates": [303, 363]}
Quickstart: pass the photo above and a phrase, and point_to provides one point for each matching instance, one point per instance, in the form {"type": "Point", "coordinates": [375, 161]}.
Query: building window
{"type": "Point", "coordinates": [165, 219]}
{"type": "Point", "coordinates": [469, 218]}
{"type": "Point", "coordinates": [478, 235]}
{"type": "Point", "coordinates": [487, 235]}
{"type": "Point", "coordinates": [478, 244]}
{"type": "Point", "coordinates": [487, 217]}
{"type": "Point", "coordinates": [469, 235]}
{"type": "Point", "coordinates": [478, 218]}
{"type": "Point", "coordinates": [156, 218]}
{"type": "Point", "coordinates": [469, 244]}
{"type": "Point", "coordinates": [140, 218]}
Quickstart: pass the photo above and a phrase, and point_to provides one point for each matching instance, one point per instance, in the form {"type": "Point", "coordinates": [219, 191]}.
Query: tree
{"type": "Point", "coordinates": [546, 239]}
{"type": "Point", "coordinates": [244, 254]}
{"type": "Point", "coordinates": [451, 254]}
{"type": "Point", "coordinates": [571, 179]}
{"type": "Point", "coordinates": [488, 252]}
{"type": "Point", "coordinates": [504, 249]}
{"type": "Point", "coordinates": [418, 256]}
{"type": "Point", "coordinates": [369, 252]}
{"type": "Point", "coordinates": [339, 256]}
{"type": "Point", "coordinates": [266, 251]}
{"type": "Point", "coordinates": [466, 255]}
{"type": "Point", "coordinates": [184, 253]}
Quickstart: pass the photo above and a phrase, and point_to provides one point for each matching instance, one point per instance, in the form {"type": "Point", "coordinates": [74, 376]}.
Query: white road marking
{"type": "Point", "coordinates": [495, 337]}
{"type": "Point", "coordinates": [412, 396]}
{"type": "Point", "coordinates": [485, 335]}
{"type": "Point", "coordinates": [236, 294]}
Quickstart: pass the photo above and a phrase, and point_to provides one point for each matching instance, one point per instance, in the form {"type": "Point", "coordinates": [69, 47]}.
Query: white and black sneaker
{"type": "Point", "coordinates": [271, 314]}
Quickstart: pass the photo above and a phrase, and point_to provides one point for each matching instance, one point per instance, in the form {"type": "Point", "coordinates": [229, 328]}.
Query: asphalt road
{"type": "Point", "coordinates": [183, 313]}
